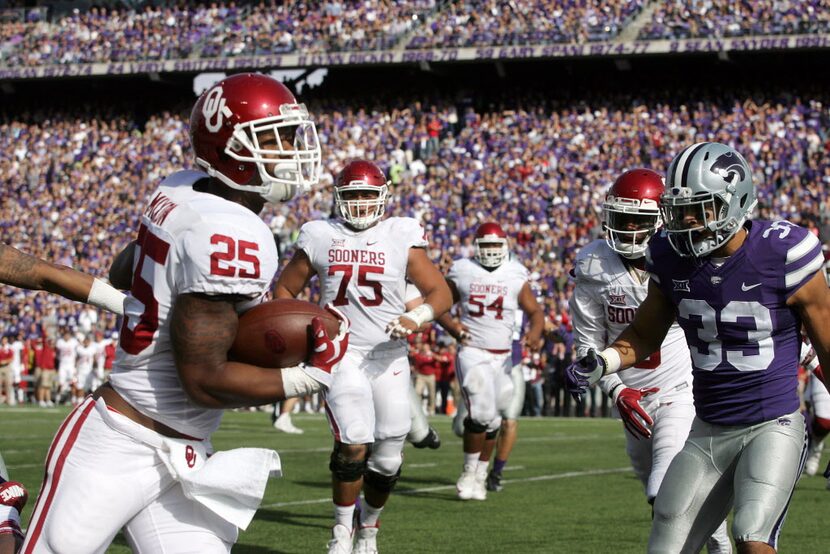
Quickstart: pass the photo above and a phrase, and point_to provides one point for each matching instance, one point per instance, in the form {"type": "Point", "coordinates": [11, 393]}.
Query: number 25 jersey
{"type": "Point", "coordinates": [743, 338]}
{"type": "Point", "coordinates": [188, 242]}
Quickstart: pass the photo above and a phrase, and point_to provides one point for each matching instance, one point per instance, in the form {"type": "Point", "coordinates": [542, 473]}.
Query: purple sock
{"type": "Point", "coordinates": [498, 465]}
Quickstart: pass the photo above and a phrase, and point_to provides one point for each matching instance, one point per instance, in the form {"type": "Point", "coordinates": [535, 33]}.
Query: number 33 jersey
{"type": "Point", "coordinates": [363, 273]}
{"type": "Point", "coordinates": [603, 303]}
{"type": "Point", "coordinates": [489, 300]}
{"type": "Point", "coordinates": [743, 338]}
{"type": "Point", "coordinates": [188, 242]}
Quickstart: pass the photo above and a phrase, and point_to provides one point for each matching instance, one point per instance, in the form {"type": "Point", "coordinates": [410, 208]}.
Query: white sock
{"type": "Point", "coordinates": [343, 515]}
{"type": "Point", "coordinates": [369, 515]}
{"type": "Point", "coordinates": [471, 460]}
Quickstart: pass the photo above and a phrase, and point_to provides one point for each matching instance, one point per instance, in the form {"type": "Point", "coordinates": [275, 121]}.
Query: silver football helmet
{"type": "Point", "coordinates": [709, 195]}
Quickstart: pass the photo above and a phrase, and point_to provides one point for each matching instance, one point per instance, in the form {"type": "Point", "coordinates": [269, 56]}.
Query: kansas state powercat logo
{"type": "Point", "coordinates": [727, 166]}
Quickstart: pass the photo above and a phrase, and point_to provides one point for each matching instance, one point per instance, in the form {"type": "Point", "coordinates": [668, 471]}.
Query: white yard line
{"type": "Point", "coordinates": [552, 477]}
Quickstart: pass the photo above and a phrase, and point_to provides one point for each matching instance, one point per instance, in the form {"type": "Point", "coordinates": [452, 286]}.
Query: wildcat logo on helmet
{"type": "Point", "coordinates": [215, 106]}
{"type": "Point", "coordinates": [727, 166]}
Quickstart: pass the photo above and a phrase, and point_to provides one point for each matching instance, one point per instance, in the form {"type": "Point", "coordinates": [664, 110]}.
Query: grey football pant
{"type": "Point", "coordinates": [753, 467]}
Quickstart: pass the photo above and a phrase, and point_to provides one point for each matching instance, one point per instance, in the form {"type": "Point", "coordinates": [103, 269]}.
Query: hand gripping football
{"type": "Point", "coordinates": [278, 333]}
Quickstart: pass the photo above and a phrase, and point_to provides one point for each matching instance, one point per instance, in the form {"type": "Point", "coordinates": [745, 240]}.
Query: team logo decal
{"type": "Point", "coordinates": [616, 299]}
{"type": "Point", "coordinates": [338, 243]}
{"type": "Point", "coordinates": [214, 107]}
{"type": "Point", "coordinates": [190, 456]}
{"type": "Point", "coordinates": [728, 167]}
{"type": "Point", "coordinates": [682, 285]}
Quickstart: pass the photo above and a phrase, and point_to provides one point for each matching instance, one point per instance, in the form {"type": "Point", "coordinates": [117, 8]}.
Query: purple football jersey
{"type": "Point", "coordinates": [743, 338]}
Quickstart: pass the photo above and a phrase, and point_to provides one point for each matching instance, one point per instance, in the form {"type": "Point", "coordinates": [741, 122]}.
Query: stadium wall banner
{"type": "Point", "coordinates": [434, 55]}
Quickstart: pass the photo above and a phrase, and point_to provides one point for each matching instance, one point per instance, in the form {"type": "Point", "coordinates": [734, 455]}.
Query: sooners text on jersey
{"type": "Point", "coordinates": [489, 300]}
{"type": "Point", "coordinates": [363, 273]}
{"type": "Point", "coordinates": [604, 302]}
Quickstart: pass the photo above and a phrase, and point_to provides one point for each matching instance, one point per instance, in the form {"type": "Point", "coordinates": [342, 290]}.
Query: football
{"type": "Point", "coordinates": [278, 333]}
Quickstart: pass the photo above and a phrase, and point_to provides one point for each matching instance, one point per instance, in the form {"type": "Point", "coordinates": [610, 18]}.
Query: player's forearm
{"type": "Point", "coordinates": [450, 325]}
{"type": "Point", "coordinates": [281, 291]}
{"type": "Point", "coordinates": [632, 346]}
{"type": "Point", "coordinates": [28, 272]}
{"type": "Point", "coordinates": [440, 299]}
{"type": "Point", "coordinates": [235, 385]}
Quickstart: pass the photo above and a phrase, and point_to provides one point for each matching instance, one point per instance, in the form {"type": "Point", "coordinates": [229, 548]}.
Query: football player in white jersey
{"type": "Point", "coordinates": [134, 454]}
{"type": "Point", "coordinates": [85, 378]}
{"type": "Point", "coordinates": [490, 288]}
{"type": "Point", "coordinates": [66, 348]}
{"type": "Point", "coordinates": [654, 398]}
{"type": "Point", "coordinates": [363, 263]}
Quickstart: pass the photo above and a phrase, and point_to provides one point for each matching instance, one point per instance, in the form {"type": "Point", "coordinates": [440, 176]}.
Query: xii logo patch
{"type": "Point", "coordinates": [616, 299]}
{"type": "Point", "coordinates": [338, 243]}
{"type": "Point", "coordinates": [681, 284]}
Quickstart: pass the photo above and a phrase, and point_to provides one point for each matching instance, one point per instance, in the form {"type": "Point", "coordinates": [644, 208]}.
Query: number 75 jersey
{"type": "Point", "coordinates": [743, 338]}
{"type": "Point", "coordinates": [363, 273]}
{"type": "Point", "coordinates": [488, 300]}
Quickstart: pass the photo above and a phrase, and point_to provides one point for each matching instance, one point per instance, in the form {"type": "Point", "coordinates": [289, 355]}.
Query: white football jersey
{"type": "Point", "coordinates": [188, 242]}
{"type": "Point", "coordinates": [86, 355]}
{"type": "Point", "coordinates": [489, 300]}
{"type": "Point", "coordinates": [604, 302]}
{"type": "Point", "coordinates": [67, 352]}
{"type": "Point", "coordinates": [363, 273]}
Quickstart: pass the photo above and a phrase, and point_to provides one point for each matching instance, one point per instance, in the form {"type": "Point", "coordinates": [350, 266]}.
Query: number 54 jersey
{"type": "Point", "coordinates": [603, 303]}
{"type": "Point", "coordinates": [363, 273]}
{"type": "Point", "coordinates": [489, 300]}
{"type": "Point", "coordinates": [743, 338]}
{"type": "Point", "coordinates": [188, 242]}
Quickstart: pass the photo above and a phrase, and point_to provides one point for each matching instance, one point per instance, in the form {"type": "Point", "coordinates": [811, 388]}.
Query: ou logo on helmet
{"type": "Point", "coordinates": [214, 107]}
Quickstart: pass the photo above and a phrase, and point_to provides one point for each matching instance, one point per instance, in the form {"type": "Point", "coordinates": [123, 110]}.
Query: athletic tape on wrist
{"type": "Point", "coordinates": [296, 382]}
{"type": "Point", "coordinates": [105, 296]}
{"type": "Point", "coordinates": [421, 314]}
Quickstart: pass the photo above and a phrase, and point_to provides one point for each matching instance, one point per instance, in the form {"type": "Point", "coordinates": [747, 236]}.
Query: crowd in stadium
{"type": "Point", "coordinates": [161, 30]}
{"type": "Point", "coordinates": [719, 18]}
{"type": "Point", "coordinates": [77, 177]}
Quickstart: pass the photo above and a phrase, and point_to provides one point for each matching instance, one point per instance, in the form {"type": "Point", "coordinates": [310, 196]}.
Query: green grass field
{"type": "Point", "coordinates": [568, 489]}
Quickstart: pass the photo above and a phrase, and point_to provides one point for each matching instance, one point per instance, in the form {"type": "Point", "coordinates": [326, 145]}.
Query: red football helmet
{"type": "Point", "coordinates": [490, 245]}
{"type": "Point", "coordinates": [238, 128]}
{"type": "Point", "coordinates": [631, 212]}
{"type": "Point", "coordinates": [360, 193]}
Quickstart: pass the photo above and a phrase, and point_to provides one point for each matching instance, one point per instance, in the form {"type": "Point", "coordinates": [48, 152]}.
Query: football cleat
{"type": "Point", "coordinates": [479, 487]}
{"type": "Point", "coordinates": [466, 483]}
{"type": "Point", "coordinates": [341, 540]}
{"type": "Point", "coordinates": [366, 540]}
{"type": "Point", "coordinates": [432, 440]}
{"type": "Point", "coordinates": [283, 423]}
{"type": "Point", "coordinates": [493, 482]}
{"type": "Point", "coordinates": [813, 457]}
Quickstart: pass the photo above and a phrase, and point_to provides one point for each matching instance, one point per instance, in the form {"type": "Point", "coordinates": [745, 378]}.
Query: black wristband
{"type": "Point", "coordinates": [611, 392]}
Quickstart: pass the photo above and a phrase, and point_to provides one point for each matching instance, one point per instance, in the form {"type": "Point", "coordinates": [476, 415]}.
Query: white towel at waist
{"type": "Point", "coordinates": [230, 483]}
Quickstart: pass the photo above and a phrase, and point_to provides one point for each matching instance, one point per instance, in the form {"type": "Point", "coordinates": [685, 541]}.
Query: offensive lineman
{"type": "Point", "coordinates": [490, 288]}
{"type": "Point", "coordinates": [611, 282]}
{"type": "Point", "coordinates": [740, 290]}
{"type": "Point", "coordinates": [132, 455]}
{"type": "Point", "coordinates": [363, 263]}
